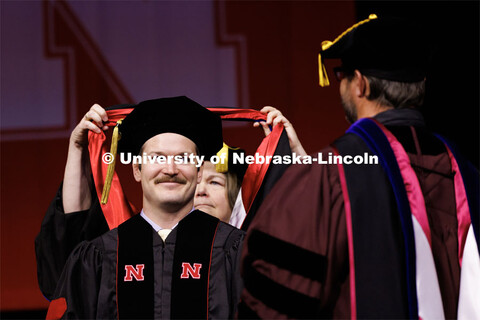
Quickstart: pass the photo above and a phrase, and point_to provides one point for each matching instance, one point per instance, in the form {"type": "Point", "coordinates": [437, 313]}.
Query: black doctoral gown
{"type": "Point", "coordinates": [88, 283]}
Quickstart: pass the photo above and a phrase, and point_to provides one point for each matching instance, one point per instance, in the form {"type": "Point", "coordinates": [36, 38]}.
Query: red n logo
{"type": "Point", "coordinates": [137, 272]}
{"type": "Point", "coordinates": [188, 270]}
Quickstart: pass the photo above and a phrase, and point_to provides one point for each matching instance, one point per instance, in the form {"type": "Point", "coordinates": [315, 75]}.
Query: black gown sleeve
{"type": "Point", "coordinates": [79, 283]}
{"type": "Point", "coordinates": [60, 233]}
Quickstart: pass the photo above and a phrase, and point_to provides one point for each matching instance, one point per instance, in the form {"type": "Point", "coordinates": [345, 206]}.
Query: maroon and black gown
{"type": "Point", "coordinates": [295, 261]}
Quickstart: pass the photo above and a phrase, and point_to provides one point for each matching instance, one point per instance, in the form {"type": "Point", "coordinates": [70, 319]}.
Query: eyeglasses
{"type": "Point", "coordinates": [341, 73]}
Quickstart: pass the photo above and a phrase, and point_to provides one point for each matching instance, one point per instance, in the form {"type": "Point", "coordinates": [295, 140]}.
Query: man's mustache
{"type": "Point", "coordinates": [175, 179]}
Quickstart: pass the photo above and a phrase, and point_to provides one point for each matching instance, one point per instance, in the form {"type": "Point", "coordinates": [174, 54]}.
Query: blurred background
{"type": "Point", "coordinates": [58, 57]}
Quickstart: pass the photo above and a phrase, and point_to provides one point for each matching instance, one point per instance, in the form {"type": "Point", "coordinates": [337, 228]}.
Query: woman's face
{"type": "Point", "coordinates": [211, 194]}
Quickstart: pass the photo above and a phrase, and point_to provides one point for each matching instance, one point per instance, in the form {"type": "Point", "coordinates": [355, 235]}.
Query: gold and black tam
{"type": "Point", "coordinates": [387, 48]}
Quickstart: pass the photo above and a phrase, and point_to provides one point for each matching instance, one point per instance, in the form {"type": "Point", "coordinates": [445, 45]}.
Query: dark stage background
{"type": "Point", "coordinates": [60, 57]}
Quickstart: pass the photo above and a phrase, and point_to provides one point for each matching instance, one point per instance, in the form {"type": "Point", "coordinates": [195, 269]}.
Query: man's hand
{"type": "Point", "coordinates": [274, 117]}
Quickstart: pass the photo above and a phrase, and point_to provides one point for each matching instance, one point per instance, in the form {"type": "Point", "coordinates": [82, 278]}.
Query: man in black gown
{"type": "Point", "coordinates": [169, 261]}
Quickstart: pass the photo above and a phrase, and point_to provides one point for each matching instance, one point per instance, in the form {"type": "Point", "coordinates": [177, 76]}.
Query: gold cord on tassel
{"type": "Point", "coordinates": [322, 72]}
{"type": "Point", "coordinates": [111, 166]}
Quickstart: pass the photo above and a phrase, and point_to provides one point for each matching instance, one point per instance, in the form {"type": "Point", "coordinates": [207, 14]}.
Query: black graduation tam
{"type": "Point", "coordinates": [179, 115]}
{"type": "Point", "coordinates": [387, 48]}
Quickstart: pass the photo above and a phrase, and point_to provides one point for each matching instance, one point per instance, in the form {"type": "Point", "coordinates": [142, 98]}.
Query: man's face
{"type": "Point", "coordinates": [211, 195]}
{"type": "Point", "coordinates": [347, 101]}
{"type": "Point", "coordinates": [168, 185]}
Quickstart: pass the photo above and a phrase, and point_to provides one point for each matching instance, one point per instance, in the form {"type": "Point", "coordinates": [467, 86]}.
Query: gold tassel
{"type": "Point", "coordinates": [322, 73]}
{"type": "Point", "coordinates": [111, 166]}
{"type": "Point", "coordinates": [222, 165]}
{"type": "Point", "coordinates": [323, 78]}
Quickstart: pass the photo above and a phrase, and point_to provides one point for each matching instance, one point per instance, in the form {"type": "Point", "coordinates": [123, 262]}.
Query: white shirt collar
{"type": "Point", "coordinates": [155, 226]}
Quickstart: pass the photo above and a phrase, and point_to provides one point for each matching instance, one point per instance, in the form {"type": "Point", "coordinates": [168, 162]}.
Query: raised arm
{"type": "Point", "coordinates": [77, 181]}
{"type": "Point", "coordinates": [74, 214]}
